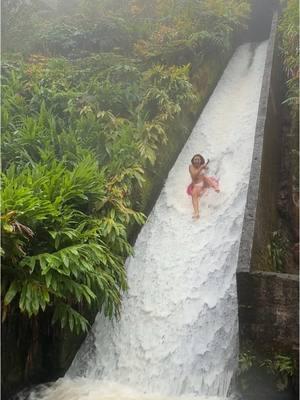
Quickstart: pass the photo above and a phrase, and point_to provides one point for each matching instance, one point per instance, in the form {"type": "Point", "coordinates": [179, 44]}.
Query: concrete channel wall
{"type": "Point", "coordinates": [260, 212]}
{"type": "Point", "coordinates": [268, 302]}
{"type": "Point", "coordinates": [268, 309]}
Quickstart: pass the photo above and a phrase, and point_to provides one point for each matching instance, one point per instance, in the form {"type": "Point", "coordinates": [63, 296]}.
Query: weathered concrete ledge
{"type": "Point", "coordinates": [268, 310]}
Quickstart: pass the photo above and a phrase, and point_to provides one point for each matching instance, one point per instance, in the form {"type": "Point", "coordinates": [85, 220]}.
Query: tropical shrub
{"type": "Point", "coordinates": [46, 106]}
{"type": "Point", "coordinates": [277, 250]}
{"type": "Point", "coordinates": [193, 29]}
{"type": "Point", "coordinates": [64, 239]}
{"type": "Point", "coordinates": [289, 43]}
{"type": "Point", "coordinates": [78, 36]}
{"type": "Point", "coordinates": [282, 367]}
{"type": "Point", "coordinates": [289, 35]}
{"type": "Point", "coordinates": [168, 31]}
{"type": "Point", "coordinates": [21, 21]}
{"type": "Point", "coordinates": [246, 362]}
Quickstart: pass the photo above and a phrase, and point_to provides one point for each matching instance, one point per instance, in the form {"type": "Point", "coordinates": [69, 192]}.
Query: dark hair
{"type": "Point", "coordinates": [201, 157]}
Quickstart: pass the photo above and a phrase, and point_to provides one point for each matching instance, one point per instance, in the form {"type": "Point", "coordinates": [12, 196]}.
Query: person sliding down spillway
{"type": "Point", "coordinates": [200, 182]}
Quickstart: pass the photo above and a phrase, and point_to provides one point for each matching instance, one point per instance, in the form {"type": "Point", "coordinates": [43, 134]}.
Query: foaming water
{"type": "Point", "coordinates": [89, 389]}
{"type": "Point", "coordinates": [178, 332]}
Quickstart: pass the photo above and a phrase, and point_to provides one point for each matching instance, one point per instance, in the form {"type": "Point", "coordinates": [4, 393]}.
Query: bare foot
{"type": "Point", "coordinates": [196, 216]}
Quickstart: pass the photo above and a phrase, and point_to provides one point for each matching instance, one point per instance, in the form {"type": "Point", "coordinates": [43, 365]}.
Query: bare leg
{"type": "Point", "coordinates": [195, 201]}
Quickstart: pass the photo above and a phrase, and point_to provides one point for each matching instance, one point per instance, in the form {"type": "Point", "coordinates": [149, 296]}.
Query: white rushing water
{"type": "Point", "coordinates": [177, 335]}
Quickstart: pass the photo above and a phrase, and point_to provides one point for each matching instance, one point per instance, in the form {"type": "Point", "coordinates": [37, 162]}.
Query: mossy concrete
{"type": "Point", "coordinates": [268, 309]}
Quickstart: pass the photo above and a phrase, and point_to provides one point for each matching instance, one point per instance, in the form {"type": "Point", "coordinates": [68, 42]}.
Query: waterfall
{"type": "Point", "coordinates": [178, 332]}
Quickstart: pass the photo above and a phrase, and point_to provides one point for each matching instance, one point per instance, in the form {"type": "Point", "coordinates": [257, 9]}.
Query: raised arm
{"type": "Point", "coordinates": [203, 168]}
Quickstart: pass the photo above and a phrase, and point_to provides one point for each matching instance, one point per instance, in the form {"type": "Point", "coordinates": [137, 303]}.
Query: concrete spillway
{"type": "Point", "coordinates": [177, 335]}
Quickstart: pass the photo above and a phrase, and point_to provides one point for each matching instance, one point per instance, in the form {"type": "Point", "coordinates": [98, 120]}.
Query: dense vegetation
{"type": "Point", "coordinates": [88, 96]}
{"type": "Point", "coordinates": [284, 245]}
{"type": "Point", "coordinates": [289, 38]}
{"type": "Point", "coordinates": [254, 370]}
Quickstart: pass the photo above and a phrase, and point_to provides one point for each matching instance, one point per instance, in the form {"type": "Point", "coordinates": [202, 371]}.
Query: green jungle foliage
{"type": "Point", "coordinates": [289, 42]}
{"type": "Point", "coordinates": [70, 169]}
{"type": "Point", "coordinates": [289, 35]}
{"type": "Point", "coordinates": [282, 367]}
{"type": "Point", "coordinates": [277, 251]}
{"type": "Point", "coordinates": [171, 31]}
{"type": "Point", "coordinates": [88, 94]}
